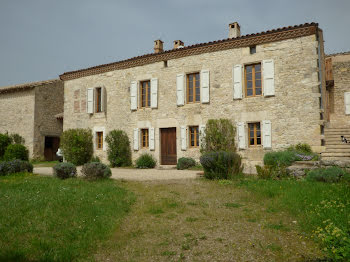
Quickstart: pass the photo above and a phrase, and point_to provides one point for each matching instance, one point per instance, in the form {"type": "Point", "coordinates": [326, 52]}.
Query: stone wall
{"type": "Point", "coordinates": [17, 115]}
{"type": "Point", "coordinates": [293, 111]}
{"type": "Point", "coordinates": [48, 103]}
{"type": "Point", "coordinates": [341, 75]}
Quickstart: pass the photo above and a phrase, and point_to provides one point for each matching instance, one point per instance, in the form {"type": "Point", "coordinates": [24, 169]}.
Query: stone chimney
{"type": "Point", "coordinates": [158, 46]}
{"type": "Point", "coordinates": [178, 44]}
{"type": "Point", "coordinates": [234, 30]}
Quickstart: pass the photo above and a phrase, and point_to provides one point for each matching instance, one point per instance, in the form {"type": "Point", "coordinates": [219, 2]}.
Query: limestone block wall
{"type": "Point", "coordinates": [48, 102]}
{"type": "Point", "coordinates": [341, 75]}
{"type": "Point", "coordinates": [17, 115]}
{"type": "Point", "coordinates": [294, 111]}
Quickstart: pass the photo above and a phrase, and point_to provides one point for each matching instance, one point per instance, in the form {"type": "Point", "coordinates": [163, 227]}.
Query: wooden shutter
{"type": "Point", "coordinates": [266, 134]}
{"type": "Point", "coordinates": [151, 139]}
{"type": "Point", "coordinates": [347, 102]}
{"type": "Point", "coordinates": [90, 101]}
{"type": "Point", "coordinates": [237, 82]}
{"type": "Point", "coordinates": [154, 92]}
{"type": "Point", "coordinates": [269, 77]}
{"type": "Point", "coordinates": [133, 95]}
{"type": "Point", "coordinates": [103, 99]}
{"type": "Point", "coordinates": [136, 139]}
{"type": "Point", "coordinates": [241, 135]}
{"type": "Point", "coordinates": [183, 138]}
{"type": "Point", "coordinates": [180, 79]}
{"type": "Point", "coordinates": [201, 133]}
{"type": "Point", "coordinates": [205, 83]}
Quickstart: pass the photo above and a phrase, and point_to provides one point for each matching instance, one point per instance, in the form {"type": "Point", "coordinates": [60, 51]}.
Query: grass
{"type": "Point", "coordinates": [201, 220]}
{"type": "Point", "coordinates": [47, 219]}
{"type": "Point", "coordinates": [44, 163]}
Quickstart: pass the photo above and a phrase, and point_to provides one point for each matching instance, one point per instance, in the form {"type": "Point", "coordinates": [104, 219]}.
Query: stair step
{"type": "Point", "coordinates": [337, 150]}
{"type": "Point", "coordinates": [338, 146]}
{"type": "Point", "coordinates": [337, 154]}
{"type": "Point", "coordinates": [335, 158]}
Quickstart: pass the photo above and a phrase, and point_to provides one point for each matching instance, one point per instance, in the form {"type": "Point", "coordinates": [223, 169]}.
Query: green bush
{"type": "Point", "coordinates": [77, 145]}
{"type": "Point", "coordinates": [279, 158]}
{"type": "Point", "coordinates": [271, 172]}
{"type": "Point", "coordinates": [327, 175]}
{"type": "Point", "coordinates": [221, 165]}
{"type": "Point", "coordinates": [119, 153]}
{"type": "Point", "coordinates": [17, 139]}
{"type": "Point", "coordinates": [95, 159]}
{"type": "Point", "coordinates": [301, 148]}
{"type": "Point", "coordinates": [145, 161]}
{"type": "Point", "coordinates": [96, 170]}
{"type": "Point", "coordinates": [185, 163]}
{"type": "Point", "coordinates": [5, 140]}
{"type": "Point", "coordinates": [219, 136]}
{"type": "Point", "coordinates": [16, 151]}
{"type": "Point", "coordinates": [65, 170]}
{"type": "Point", "coordinates": [15, 166]}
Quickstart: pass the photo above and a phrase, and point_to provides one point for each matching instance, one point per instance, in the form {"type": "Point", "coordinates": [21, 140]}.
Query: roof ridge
{"type": "Point", "coordinates": [216, 42]}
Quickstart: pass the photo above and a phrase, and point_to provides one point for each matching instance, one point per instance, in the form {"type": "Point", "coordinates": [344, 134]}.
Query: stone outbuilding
{"type": "Point", "coordinates": [271, 84]}
{"type": "Point", "coordinates": [34, 111]}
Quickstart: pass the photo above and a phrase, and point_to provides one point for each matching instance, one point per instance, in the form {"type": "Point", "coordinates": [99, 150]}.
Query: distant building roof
{"type": "Point", "coordinates": [20, 87]}
{"type": "Point", "coordinates": [229, 43]}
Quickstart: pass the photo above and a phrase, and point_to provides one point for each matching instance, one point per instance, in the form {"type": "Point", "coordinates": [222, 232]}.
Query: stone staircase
{"type": "Point", "coordinates": [335, 148]}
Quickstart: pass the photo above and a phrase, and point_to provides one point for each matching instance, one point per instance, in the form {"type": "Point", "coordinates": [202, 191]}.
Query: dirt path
{"type": "Point", "coordinates": [133, 174]}
{"type": "Point", "coordinates": [199, 220]}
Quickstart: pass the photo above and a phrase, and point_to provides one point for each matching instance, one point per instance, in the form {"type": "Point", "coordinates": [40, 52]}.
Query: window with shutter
{"type": "Point", "coordinates": [347, 102]}
{"type": "Point", "coordinates": [254, 134]}
{"type": "Point", "coordinates": [237, 82]}
{"type": "Point", "coordinates": [205, 86]}
{"type": "Point", "coordinates": [154, 92]}
{"type": "Point", "coordinates": [144, 138]}
{"type": "Point", "coordinates": [98, 100]}
{"type": "Point", "coordinates": [269, 77]}
{"type": "Point", "coordinates": [193, 88]}
{"type": "Point", "coordinates": [145, 94]}
{"type": "Point", "coordinates": [193, 136]}
{"type": "Point", "coordinates": [180, 78]}
{"type": "Point", "coordinates": [253, 85]}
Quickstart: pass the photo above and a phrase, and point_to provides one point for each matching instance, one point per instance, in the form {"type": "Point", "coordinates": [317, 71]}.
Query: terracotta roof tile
{"type": "Point", "coordinates": [228, 43]}
{"type": "Point", "coordinates": [5, 89]}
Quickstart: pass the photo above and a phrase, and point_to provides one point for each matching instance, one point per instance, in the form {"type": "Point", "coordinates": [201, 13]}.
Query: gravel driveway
{"type": "Point", "coordinates": [136, 174]}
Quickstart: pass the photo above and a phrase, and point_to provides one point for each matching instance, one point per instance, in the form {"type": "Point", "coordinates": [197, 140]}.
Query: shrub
{"type": "Point", "coordinates": [271, 172]}
{"type": "Point", "coordinates": [5, 140]}
{"type": "Point", "coordinates": [15, 166]}
{"type": "Point", "coordinates": [65, 170]}
{"type": "Point", "coordinates": [77, 146]}
{"type": "Point", "coordinates": [96, 170]}
{"type": "Point", "coordinates": [219, 136]}
{"type": "Point", "coordinates": [145, 161]}
{"type": "Point", "coordinates": [17, 139]}
{"type": "Point", "coordinates": [221, 164]}
{"type": "Point", "coordinates": [280, 158]}
{"type": "Point", "coordinates": [95, 159]}
{"type": "Point", "coordinates": [16, 151]}
{"type": "Point", "coordinates": [185, 163]}
{"type": "Point", "coordinates": [119, 153]}
{"type": "Point", "coordinates": [327, 175]}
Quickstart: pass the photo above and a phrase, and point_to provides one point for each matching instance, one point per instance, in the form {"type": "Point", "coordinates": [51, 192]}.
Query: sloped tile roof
{"type": "Point", "coordinates": [6, 89]}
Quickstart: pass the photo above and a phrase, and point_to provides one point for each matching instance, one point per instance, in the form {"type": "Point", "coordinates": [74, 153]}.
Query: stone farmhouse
{"type": "Point", "coordinates": [271, 84]}
{"type": "Point", "coordinates": [34, 111]}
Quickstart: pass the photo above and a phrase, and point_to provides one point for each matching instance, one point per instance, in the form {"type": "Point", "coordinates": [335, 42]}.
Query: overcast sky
{"type": "Point", "coordinates": [41, 39]}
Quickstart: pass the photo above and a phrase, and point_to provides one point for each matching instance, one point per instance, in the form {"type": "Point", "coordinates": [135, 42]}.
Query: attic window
{"type": "Point", "coordinates": [165, 63]}
{"type": "Point", "coordinates": [233, 26]}
{"type": "Point", "coordinates": [252, 49]}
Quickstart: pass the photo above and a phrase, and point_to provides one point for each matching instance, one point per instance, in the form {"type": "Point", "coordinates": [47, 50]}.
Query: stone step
{"type": "Point", "coordinates": [304, 164]}
{"type": "Point", "coordinates": [338, 128]}
{"type": "Point", "coordinates": [336, 136]}
{"type": "Point", "coordinates": [335, 158]}
{"type": "Point", "coordinates": [338, 146]}
{"type": "Point", "coordinates": [338, 154]}
{"type": "Point", "coordinates": [337, 150]}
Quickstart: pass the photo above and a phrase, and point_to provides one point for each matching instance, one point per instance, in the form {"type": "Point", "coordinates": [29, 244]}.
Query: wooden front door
{"type": "Point", "coordinates": [51, 146]}
{"type": "Point", "coordinates": [168, 146]}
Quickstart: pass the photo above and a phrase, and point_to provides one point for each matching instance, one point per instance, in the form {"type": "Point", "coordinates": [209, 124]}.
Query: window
{"type": "Point", "coordinates": [98, 99]}
{"type": "Point", "coordinates": [165, 63]}
{"type": "Point", "coordinates": [145, 93]}
{"type": "Point", "coordinates": [144, 138]}
{"type": "Point", "coordinates": [252, 49]}
{"type": "Point", "coordinates": [99, 140]}
{"type": "Point", "coordinates": [253, 80]}
{"type": "Point", "coordinates": [254, 134]}
{"type": "Point", "coordinates": [194, 136]}
{"type": "Point", "coordinates": [193, 88]}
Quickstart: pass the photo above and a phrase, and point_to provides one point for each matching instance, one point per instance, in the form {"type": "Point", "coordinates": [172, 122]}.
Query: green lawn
{"type": "Point", "coordinates": [48, 219]}
{"type": "Point", "coordinates": [44, 163]}
{"type": "Point", "coordinates": [322, 210]}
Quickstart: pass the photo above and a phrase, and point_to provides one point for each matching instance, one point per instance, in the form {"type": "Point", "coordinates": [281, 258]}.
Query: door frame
{"type": "Point", "coordinates": [160, 144]}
